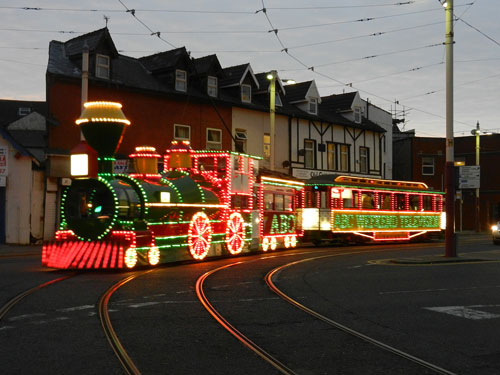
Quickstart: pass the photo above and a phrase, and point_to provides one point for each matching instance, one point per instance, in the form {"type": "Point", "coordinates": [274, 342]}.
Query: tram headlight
{"type": "Point", "coordinates": [494, 228]}
{"type": "Point", "coordinates": [442, 223]}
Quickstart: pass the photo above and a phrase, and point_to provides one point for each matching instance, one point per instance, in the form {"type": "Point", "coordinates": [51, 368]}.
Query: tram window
{"type": "Point", "coordinates": [278, 202]}
{"type": "Point", "coordinates": [268, 201]}
{"type": "Point", "coordinates": [414, 203]}
{"type": "Point", "coordinates": [427, 202]}
{"type": "Point", "coordinates": [347, 198]}
{"type": "Point", "coordinates": [288, 203]}
{"type": "Point", "coordinates": [368, 200]}
{"type": "Point", "coordinates": [355, 199]}
{"type": "Point", "coordinates": [308, 202]}
{"type": "Point", "coordinates": [240, 201]}
{"type": "Point", "coordinates": [385, 201]}
{"type": "Point", "coordinates": [400, 202]}
{"type": "Point", "coordinates": [323, 199]}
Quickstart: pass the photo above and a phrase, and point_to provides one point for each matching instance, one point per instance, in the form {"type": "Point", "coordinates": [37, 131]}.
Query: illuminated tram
{"type": "Point", "coordinates": [358, 208]}
{"type": "Point", "coordinates": [202, 204]}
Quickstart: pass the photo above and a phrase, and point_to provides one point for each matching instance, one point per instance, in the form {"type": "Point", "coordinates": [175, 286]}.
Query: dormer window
{"type": "Point", "coordinates": [102, 66]}
{"type": "Point", "coordinates": [357, 115]}
{"type": "Point", "coordinates": [181, 80]}
{"type": "Point", "coordinates": [313, 106]}
{"type": "Point", "coordinates": [246, 93]}
{"type": "Point", "coordinates": [277, 101]}
{"type": "Point", "coordinates": [212, 86]}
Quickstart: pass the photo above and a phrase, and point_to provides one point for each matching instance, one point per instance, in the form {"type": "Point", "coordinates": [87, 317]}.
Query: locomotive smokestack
{"type": "Point", "coordinates": [103, 125]}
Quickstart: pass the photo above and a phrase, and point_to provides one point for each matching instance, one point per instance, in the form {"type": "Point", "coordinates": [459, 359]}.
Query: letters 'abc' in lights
{"type": "Point", "coordinates": [103, 125]}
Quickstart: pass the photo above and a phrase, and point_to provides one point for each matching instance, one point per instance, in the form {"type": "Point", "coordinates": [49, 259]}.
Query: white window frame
{"type": "Point", "coordinates": [180, 80]}
{"type": "Point", "coordinates": [212, 85]}
{"type": "Point", "coordinates": [363, 159]}
{"type": "Point", "coordinates": [179, 126]}
{"type": "Point", "coordinates": [428, 165]}
{"type": "Point", "coordinates": [246, 97]}
{"type": "Point", "coordinates": [102, 69]}
{"type": "Point", "coordinates": [357, 115]}
{"type": "Point", "coordinates": [313, 106]}
{"type": "Point", "coordinates": [240, 137]}
{"type": "Point", "coordinates": [309, 160]}
{"type": "Point", "coordinates": [214, 145]}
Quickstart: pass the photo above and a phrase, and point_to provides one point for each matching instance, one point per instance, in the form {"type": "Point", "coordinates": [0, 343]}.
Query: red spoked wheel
{"type": "Point", "coordinates": [235, 233]}
{"type": "Point", "coordinates": [199, 235]}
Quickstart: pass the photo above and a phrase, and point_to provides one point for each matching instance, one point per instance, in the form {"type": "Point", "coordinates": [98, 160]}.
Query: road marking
{"type": "Point", "coordinates": [438, 290]}
{"type": "Point", "coordinates": [25, 316]}
{"type": "Point", "coordinates": [466, 312]}
{"type": "Point", "coordinates": [77, 308]}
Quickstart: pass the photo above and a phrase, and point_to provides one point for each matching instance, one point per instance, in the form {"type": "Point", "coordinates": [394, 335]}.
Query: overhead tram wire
{"type": "Point", "coordinates": [375, 34]}
{"type": "Point", "coordinates": [313, 69]}
{"type": "Point", "coordinates": [121, 11]}
{"type": "Point", "coordinates": [211, 100]}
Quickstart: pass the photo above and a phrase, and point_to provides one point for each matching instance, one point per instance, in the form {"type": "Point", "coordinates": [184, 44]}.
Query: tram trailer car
{"type": "Point", "coordinates": [358, 209]}
{"type": "Point", "coordinates": [203, 204]}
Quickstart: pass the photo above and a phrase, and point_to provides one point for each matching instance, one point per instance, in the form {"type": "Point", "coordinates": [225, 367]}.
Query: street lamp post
{"type": "Point", "coordinates": [477, 133]}
{"type": "Point", "coordinates": [272, 109]}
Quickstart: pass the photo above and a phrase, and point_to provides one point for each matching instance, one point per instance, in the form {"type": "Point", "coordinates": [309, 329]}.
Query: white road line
{"type": "Point", "coordinates": [464, 312]}
{"type": "Point", "coordinates": [437, 290]}
{"type": "Point", "coordinates": [77, 308]}
{"type": "Point", "coordinates": [25, 316]}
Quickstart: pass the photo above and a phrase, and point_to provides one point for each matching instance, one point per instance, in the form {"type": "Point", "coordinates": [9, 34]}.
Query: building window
{"type": "Point", "coordinates": [267, 147]}
{"type": "Point", "coordinates": [344, 157]}
{"type": "Point", "coordinates": [330, 153]}
{"type": "Point", "coordinates": [309, 151]}
{"type": "Point", "coordinates": [212, 86]}
{"type": "Point", "coordinates": [246, 93]}
{"type": "Point", "coordinates": [23, 111]}
{"type": "Point", "coordinates": [214, 139]}
{"type": "Point", "coordinates": [313, 106]}
{"type": "Point", "coordinates": [357, 115]}
{"type": "Point", "coordinates": [240, 143]}
{"type": "Point", "coordinates": [363, 159]}
{"type": "Point", "coordinates": [428, 166]}
{"type": "Point", "coordinates": [102, 66]}
{"type": "Point", "coordinates": [181, 80]}
{"type": "Point", "coordinates": [182, 132]}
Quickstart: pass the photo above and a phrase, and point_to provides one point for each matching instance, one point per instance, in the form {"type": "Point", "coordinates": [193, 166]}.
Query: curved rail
{"type": "Point", "coordinates": [283, 369]}
{"type": "Point", "coordinates": [110, 333]}
{"type": "Point", "coordinates": [10, 304]}
{"type": "Point", "coordinates": [342, 327]}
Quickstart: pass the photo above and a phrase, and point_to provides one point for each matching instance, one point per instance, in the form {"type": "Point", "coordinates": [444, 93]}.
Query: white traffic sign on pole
{"type": "Point", "coordinates": [469, 177]}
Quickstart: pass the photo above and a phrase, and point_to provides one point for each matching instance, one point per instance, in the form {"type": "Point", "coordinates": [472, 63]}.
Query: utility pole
{"type": "Point", "coordinates": [450, 240]}
{"type": "Point", "coordinates": [272, 113]}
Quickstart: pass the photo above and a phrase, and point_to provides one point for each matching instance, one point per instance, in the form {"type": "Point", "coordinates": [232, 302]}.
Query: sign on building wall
{"type": "Point", "coordinates": [120, 166]}
{"type": "Point", "coordinates": [4, 157]}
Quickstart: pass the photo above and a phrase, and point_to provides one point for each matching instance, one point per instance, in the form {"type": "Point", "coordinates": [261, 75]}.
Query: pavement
{"type": "Point", "coordinates": [7, 250]}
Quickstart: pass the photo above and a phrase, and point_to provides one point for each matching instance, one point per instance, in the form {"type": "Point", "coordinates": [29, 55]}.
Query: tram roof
{"type": "Point", "coordinates": [367, 182]}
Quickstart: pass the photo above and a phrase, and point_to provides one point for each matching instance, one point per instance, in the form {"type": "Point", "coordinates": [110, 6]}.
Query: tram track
{"type": "Point", "coordinates": [113, 340]}
{"type": "Point", "coordinates": [14, 301]}
{"type": "Point", "coordinates": [272, 360]}
{"type": "Point", "coordinates": [340, 326]}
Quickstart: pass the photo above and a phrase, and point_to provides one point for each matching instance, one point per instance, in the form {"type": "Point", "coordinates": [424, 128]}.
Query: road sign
{"type": "Point", "coordinates": [469, 177]}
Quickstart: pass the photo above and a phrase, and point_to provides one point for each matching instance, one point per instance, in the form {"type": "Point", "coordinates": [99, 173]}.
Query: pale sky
{"type": "Point", "coordinates": [386, 51]}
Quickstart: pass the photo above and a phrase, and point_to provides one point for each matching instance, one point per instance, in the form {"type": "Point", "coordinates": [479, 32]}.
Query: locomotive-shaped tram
{"type": "Point", "coordinates": [213, 203]}
{"type": "Point", "coordinates": [203, 203]}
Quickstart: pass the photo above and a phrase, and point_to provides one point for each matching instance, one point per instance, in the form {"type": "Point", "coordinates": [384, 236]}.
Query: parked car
{"type": "Point", "coordinates": [495, 233]}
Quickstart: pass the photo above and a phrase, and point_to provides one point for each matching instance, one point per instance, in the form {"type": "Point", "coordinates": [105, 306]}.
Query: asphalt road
{"type": "Point", "coordinates": [446, 314]}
